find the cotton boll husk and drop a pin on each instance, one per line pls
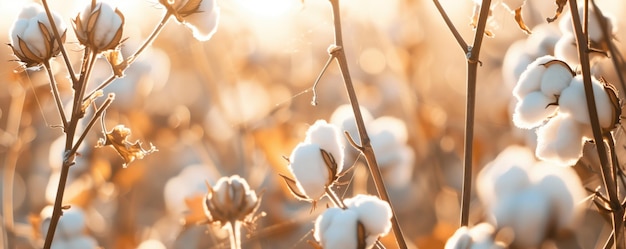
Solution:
(327, 136)
(556, 78)
(565, 49)
(573, 102)
(340, 231)
(309, 169)
(560, 141)
(374, 213)
(106, 26)
(204, 23)
(81, 242)
(515, 62)
(530, 80)
(533, 110)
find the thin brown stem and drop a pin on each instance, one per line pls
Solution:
(366, 148)
(334, 198)
(605, 167)
(129, 60)
(55, 94)
(472, 73)
(57, 37)
(91, 123)
(451, 26)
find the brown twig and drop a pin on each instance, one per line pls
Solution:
(337, 51)
(57, 36)
(606, 169)
(472, 55)
(55, 94)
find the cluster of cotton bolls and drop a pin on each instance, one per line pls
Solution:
(535, 199)
(565, 48)
(339, 228)
(70, 230)
(388, 137)
(552, 98)
(480, 236)
(308, 162)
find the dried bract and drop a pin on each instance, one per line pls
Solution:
(129, 151)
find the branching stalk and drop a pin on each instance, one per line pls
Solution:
(366, 148)
(606, 169)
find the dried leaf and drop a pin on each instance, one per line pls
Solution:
(195, 210)
(612, 92)
(129, 151)
(361, 235)
(117, 62)
(91, 99)
(293, 187)
(331, 166)
(559, 9)
(520, 21)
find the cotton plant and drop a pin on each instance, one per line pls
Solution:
(481, 236)
(71, 229)
(316, 163)
(566, 49)
(535, 199)
(359, 225)
(388, 136)
(551, 98)
(38, 35)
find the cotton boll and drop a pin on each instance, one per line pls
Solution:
(530, 80)
(337, 230)
(203, 23)
(81, 242)
(560, 140)
(505, 175)
(72, 222)
(190, 181)
(565, 49)
(478, 237)
(555, 78)
(515, 62)
(309, 169)
(374, 213)
(343, 117)
(402, 172)
(565, 190)
(541, 41)
(528, 214)
(327, 136)
(533, 110)
(574, 102)
(59, 243)
(565, 24)
(461, 239)
(513, 4)
(386, 123)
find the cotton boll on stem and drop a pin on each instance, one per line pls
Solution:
(533, 109)
(528, 214)
(530, 80)
(337, 229)
(374, 213)
(327, 136)
(309, 169)
(555, 78)
(343, 117)
(560, 141)
(574, 102)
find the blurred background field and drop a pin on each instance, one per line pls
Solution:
(240, 102)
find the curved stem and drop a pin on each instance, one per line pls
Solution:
(55, 94)
(606, 169)
(57, 37)
(235, 234)
(366, 147)
(129, 60)
(334, 198)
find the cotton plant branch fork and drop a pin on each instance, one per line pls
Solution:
(336, 51)
(607, 170)
(472, 54)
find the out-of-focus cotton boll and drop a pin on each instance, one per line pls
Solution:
(203, 24)
(343, 117)
(480, 236)
(573, 102)
(505, 175)
(374, 213)
(541, 41)
(560, 141)
(594, 27)
(81, 242)
(533, 109)
(515, 62)
(565, 49)
(190, 181)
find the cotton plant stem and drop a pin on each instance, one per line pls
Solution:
(53, 25)
(10, 162)
(605, 167)
(451, 26)
(129, 60)
(366, 148)
(334, 198)
(235, 234)
(55, 94)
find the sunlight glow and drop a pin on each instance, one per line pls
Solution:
(268, 8)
